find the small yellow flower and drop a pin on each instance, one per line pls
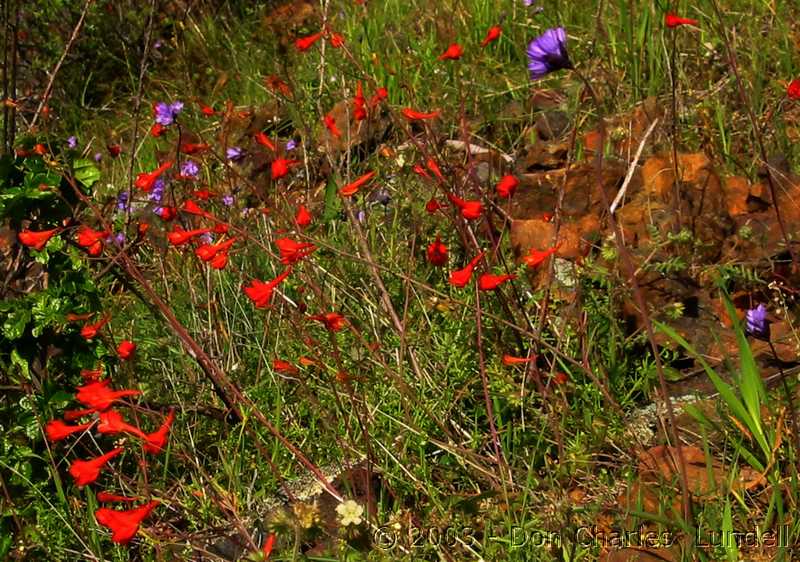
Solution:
(349, 513)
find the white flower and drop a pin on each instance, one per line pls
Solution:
(349, 513)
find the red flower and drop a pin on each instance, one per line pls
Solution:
(304, 43)
(292, 252)
(88, 236)
(98, 396)
(72, 415)
(57, 430)
(330, 124)
(156, 441)
(352, 188)
(489, 281)
(36, 240)
(280, 167)
(157, 129)
(437, 253)
(432, 205)
(284, 367)
(413, 115)
(104, 496)
(145, 180)
(206, 110)
(337, 40)
(461, 277)
(207, 252)
(470, 210)
(793, 90)
(125, 349)
(536, 257)
(333, 320)
(380, 95)
(168, 213)
(507, 186)
(193, 208)
(492, 35)
(303, 218)
(359, 110)
(420, 171)
(89, 331)
(266, 550)
(86, 472)
(263, 140)
(114, 150)
(219, 261)
(178, 236)
(111, 422)
(453, 52)
(672, 20)
(434, 167)
(124, 524)
(261, 293)
(91, 374)
(194, 147)
(509, 360)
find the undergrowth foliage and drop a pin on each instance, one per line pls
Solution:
(309, 272)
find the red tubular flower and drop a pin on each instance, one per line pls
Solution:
(87, 236)
(461, 277)
(672, 20)
(90, 375)
(89, 331)
(193, 208)
(111, 422)
(793, 90)
(261, 293)
(124, 524)
(437, 253)
(453, 52)
(434, 168)
(104, 496)
(420, 171)
(145, 180)
(432, 205)
(470, 210)
(333, 321)
(157, 440)
(536, 257)
(36, 240)
(380, 95)
(280, 167)
(168, 213)
(337, 40)
(72, 415)
(98, 396)
(206, 110)
(219, 261)
(125, 349)
(57, 430)
(492, 35)
(194, 147)
(263, 140)
(330, 124)
(114, 150)
(489, 281)
(207, 252)
(292, 252)
(303, 217)
(352, 188)
(284, 367)
(359, 103)
(413, 115)
(266, 550)
(157, 130)
(304, 43)
(509, 360)
(507, 186)
(86, 472)
(178, 236)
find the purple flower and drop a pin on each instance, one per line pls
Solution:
(190, 169)
(98, 156)
(234, 153)
(119, 238)
(158, 191)
(166, 113)
(291, 145)
(72, 141)
(122, 201)
(548, 53)
(757, 324)
(206, 238)
(157, 44)
(227, 200)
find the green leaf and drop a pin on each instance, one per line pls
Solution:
(15, 323)
(85, 172)
(332, 203)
